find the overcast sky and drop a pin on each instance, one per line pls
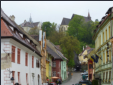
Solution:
(54, 11)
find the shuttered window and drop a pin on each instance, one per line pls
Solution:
(103, 37)
(13, 75)
(27, 79)
(37, 63)
(32, 61)
(19, 77)
(106, 34)
(18, 56)
(26, 59)
(13, 54)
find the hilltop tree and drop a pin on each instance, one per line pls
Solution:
(69, 45)
(49, 28)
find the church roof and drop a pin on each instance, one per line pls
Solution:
(65, 21)
(86, 18)
(29, 24)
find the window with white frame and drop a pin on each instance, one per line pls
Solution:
(54, 64)
(54, 73)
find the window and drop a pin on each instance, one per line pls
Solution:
(103, 58)
(13, 54)
(103, 37)
(90, 66)
(27, 78)
(54, 64)
(106, 75)
(54, 73)
(100, 40)
(37, 63)
(26, 59)
(109, 32)
(106, 57)
(109, 75)
(110, 55)
(106, 34)
(18, 56)
(32, 61)
(13, 75)
(103, 76)
(19, 77)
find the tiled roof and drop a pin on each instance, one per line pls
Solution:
(109, 10)
(29, 24)
(59, 51)
(17, 36)
(36, 37)
(51, 50)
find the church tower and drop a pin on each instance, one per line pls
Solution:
(89, 16)
(30, 19)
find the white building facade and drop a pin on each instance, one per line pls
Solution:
(20, 55)
(22, 74)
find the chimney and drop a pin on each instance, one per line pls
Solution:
(40, 35)
(83, 47)
(43, 39)
(12, 18)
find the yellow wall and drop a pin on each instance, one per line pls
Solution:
(47, 69)
(81, 58)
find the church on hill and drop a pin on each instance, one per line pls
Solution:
(27, 25)
(65, 21)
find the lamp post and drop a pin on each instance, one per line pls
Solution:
(12, 79)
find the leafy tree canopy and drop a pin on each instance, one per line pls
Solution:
(69, 44)
(49, 28)
(33, 31)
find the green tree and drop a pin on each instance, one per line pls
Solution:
(33, 31)
(49, 28)
(56, 37)
(69, 44)
(76, 26)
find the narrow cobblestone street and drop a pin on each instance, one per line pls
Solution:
(75, 79)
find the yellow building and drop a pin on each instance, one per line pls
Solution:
(47, 67)
(103, 48)
(112, 59)
(83, 60)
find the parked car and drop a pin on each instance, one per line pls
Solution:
(86, 82)
(85, 73)
(52, 83)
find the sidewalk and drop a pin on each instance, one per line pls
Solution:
(69, 77)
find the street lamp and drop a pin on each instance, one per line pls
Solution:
(12, 80)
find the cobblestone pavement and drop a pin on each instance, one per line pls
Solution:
(75, 79)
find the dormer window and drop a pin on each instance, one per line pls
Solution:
(11, 28)
(21, 35)
(28, 40)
